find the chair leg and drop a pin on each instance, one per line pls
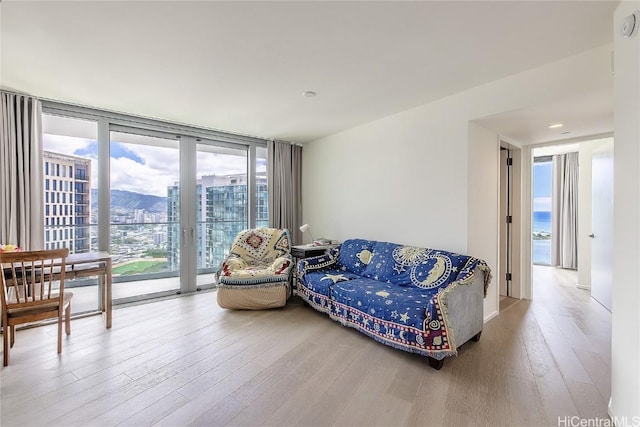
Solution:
(59, 332)
(67, 320)
(12, 334)
(5, 344)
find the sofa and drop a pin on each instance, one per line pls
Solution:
(420, 300)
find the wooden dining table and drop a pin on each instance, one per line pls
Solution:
(94, 264)
(90, 264)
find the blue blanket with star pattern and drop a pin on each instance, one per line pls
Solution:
(391, 292)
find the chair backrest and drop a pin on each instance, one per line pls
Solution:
(32, 278)
(261, 245)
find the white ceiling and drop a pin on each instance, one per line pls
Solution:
(242, 66)
(585, 115)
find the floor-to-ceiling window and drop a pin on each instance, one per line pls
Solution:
(542, 180)
(144, 212)
(70, 161)
(262, 188)
(165, 200)
(222, 203)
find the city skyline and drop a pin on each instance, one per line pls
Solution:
(136, 234)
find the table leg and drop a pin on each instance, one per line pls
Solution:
(101, 291)
(108, 302)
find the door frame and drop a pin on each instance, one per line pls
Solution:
(526, 261)
(515, 233)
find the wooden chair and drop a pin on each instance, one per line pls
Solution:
(29, 292)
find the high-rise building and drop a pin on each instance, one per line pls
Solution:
(138, 215)
(173, 227)
(67, 197)
(222, 212)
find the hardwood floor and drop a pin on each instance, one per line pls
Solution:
(185, 361)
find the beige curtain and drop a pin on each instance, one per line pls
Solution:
(564, 222)
(21, 174)
(284, 175)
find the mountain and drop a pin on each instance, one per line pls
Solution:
(128, 200)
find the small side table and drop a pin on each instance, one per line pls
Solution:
(299, 252)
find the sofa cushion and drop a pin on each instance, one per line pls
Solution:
(401, 305)
(321, 282)
(419, 267)
(355, 255)
(235, 271)
(383, 267)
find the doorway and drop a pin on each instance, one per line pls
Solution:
(540, 202)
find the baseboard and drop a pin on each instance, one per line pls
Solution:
(584, 288)
(610, 412)
(490, 316)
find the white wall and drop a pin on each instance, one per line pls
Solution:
(387, 180)
(405, 178)
(584, 210)
(625, 339)
(484, 190)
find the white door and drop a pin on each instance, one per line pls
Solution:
(602, 224)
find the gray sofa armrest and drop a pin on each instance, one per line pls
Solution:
(465, 308)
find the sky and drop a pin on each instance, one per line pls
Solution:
(542, 187)
(145, 169)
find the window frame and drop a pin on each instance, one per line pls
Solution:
(108, 121)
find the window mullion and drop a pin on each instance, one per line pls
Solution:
(104, 186)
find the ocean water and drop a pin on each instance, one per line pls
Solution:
(542, 221)
(542, 247)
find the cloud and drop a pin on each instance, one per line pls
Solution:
(67, 144)
(261, 165)
(220, 164)
(160, 168)
(542, 204)
(129, 175)
(81, 147)
(118, 150)
(147, 169)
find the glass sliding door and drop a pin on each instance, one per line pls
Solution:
(166, 200)
(70, 160)
(261, 199)
(222, 208)
(144, 213)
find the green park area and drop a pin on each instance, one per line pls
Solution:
(140, 267)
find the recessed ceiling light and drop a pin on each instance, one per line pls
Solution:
(556, 126)
(309, 94)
